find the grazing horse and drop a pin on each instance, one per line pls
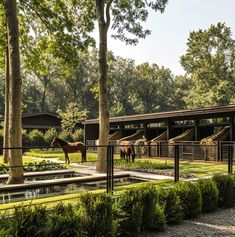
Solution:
(70, 147)
(127, 151)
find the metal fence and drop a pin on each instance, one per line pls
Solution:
(219, 153)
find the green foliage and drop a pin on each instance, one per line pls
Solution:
(42, 166)
(226, 188)
(210, 50)
(3, 168)
(96, 213)
(149, 198)
(25, 138)
(209, 193)
(28, 222)
(36, 138)
(170, 202)
(142, 165)
(49, 134)
(159, 220)
(153, 217)
(128, 213)
(64, 221)
(71, 116)
(65, 135)
(78, 135)
(138, 209)
(190, 198)
(5, 223)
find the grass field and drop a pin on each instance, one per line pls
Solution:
(195, 168)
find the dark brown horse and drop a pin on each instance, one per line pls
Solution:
(70, 147)
(127, 151)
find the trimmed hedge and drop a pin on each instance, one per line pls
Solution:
(28, 222)
(64, 220)
(170, 202)
(209, 193)
(190, 198)
(138, 210)
(96, 215)
(226, 188)
(134, 211)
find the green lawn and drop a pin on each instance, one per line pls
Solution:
(25, 160)
(197, 168)
(200, 169)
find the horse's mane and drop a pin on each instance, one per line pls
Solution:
(62, 142)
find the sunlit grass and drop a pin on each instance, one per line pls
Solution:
(25, 160)
(195, 168)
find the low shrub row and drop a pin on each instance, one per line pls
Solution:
(43, 165)
(132, 213)
(35, 166)
(146, 166)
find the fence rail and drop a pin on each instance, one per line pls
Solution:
(181, 151)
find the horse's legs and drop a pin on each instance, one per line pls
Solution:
(83, 155)
(66, 158)
(122, 155)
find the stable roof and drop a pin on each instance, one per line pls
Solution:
(214, 111)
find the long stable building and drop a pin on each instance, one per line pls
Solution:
(204, 121)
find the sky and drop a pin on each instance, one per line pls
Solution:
(170, 31)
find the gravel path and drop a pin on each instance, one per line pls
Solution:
(219, 223)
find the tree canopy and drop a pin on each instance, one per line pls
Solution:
(209, 63)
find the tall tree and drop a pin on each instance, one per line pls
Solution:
(209, 63)
(127, 16)
(15, 127)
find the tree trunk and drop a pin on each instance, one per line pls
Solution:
(15, 121)
(103, 104)
(6, 112)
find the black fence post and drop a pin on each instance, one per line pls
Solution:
(109, 177)
(176, 161)
(108, 171)
(230, 159)
(149, 149)
(112, 169)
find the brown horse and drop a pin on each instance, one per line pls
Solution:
(127, 151)
(70, 147)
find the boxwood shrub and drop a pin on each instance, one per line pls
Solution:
(128, 213)
(209, 193)
(96, 215)
(226, 188)
(149, 201)
(28, 222)
(153, 217)
(137, 210)
(63, 221)
(190, 198)
(170, 202)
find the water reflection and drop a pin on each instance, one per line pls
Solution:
(56, 190)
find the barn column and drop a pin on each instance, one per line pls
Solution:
(146, 130)
(122, 129)
(197, 132)
(231, 122)
(169, 129)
